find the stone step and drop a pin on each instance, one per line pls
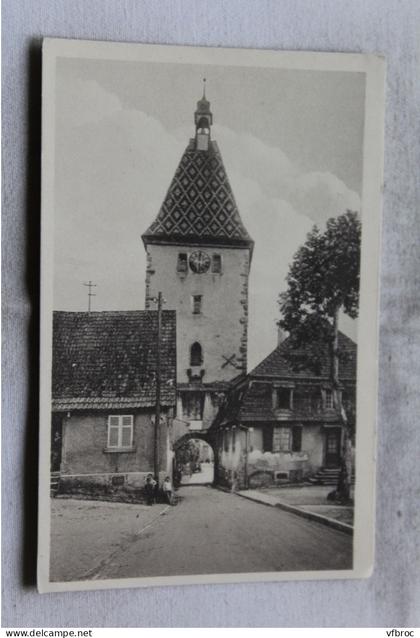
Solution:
(54, 483)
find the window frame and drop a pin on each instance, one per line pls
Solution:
(283, 432)
(268, 437)
(193, 362)
(216, 257)
(182, 263)
(193, 405)
(120, 426)
(329, 402)
(197, 304)
(282, 393)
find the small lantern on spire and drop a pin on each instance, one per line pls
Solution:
(203, 119)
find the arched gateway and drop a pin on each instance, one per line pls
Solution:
(194, 459)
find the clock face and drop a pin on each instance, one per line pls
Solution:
(199, 261)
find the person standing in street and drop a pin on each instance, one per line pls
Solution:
(150, 489)
(167, 489)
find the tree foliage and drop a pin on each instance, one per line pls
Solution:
(323, 279)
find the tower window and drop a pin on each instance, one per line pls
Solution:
(196, 355)
(196, 304)
(192, 404)
(182, 265)
(216, 264)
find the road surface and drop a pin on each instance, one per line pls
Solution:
(205, 476)
(211, 531)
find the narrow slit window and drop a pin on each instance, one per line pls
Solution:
(216, 264)
(197, 304)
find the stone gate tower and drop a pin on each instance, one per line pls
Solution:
(198, 256)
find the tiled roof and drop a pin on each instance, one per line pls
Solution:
(199, 205)
(252, 400)
(276, 365)
(107, 360)
(255, 407)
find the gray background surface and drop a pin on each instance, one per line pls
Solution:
(390, 27)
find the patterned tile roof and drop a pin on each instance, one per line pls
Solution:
(276, 365)
(199, 204)
(106, 360)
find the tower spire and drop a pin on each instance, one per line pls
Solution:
(203, 119)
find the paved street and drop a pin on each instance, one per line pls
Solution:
(209, 531)
(206, 475)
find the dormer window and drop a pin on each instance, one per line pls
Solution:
(328, 399)
(283, 398)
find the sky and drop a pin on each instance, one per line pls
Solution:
(292, 145)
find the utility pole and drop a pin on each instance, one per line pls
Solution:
(91, 294)
(160, 301)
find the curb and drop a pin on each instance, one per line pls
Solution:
(329, 522)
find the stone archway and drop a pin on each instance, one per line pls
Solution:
(194, 464)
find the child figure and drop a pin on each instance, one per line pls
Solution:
(150, 489)
(167, 489)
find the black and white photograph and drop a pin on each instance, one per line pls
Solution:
(210, 234)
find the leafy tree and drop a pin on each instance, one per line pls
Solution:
(323, 281)
(189, 453)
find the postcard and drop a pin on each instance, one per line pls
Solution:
(209, 312)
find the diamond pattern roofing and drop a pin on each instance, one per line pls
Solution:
(106, 360)
(199, 205)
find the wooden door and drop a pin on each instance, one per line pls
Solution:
(332, 447)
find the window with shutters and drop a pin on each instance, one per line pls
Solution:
(283, 435)
(120, 431)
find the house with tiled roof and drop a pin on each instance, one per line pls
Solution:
(104, 368)
(279, 423)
